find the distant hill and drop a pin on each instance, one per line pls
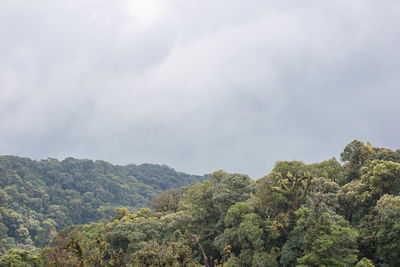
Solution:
(38, 198)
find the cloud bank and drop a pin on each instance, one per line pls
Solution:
(198, 85)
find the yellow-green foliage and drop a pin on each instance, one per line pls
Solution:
(321, 214)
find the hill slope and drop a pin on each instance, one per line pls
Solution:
(38, 198)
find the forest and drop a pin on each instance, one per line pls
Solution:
(86, 213)
(39, 198)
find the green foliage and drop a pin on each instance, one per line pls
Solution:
(324, 191)
(387, 230)
(290, 180)
(349, 201)
(77, 246)
(357, 154)
(21, 258)
(263, 259)
(132, 231)
(168, 201)
(321, 214)
(231, 188)
(232, 221)
(232, 262)
(204, 215)
(380, 177)
(330, 169)
(236, 214)
(364, 262)
(328, 240)
(170, 254)
(39, 198)
(198, 202)
(251, 232)
(358, 197)
(250, 236)
(280, 193)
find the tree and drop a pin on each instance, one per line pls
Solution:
(74, 191)
(358, 197)
(324, 192)
(168, 201)
(231, 188)
(355, 155)
(169, 254)
(21, 258)
(292, 180)
(364, 262)
(330, 169)
(130, 232)
(250, 236)
(320, 239)
(233, 219)
(282, 192)
(380, 177)
(198, 203)
(387, 230)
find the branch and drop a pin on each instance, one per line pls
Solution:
(202, 251)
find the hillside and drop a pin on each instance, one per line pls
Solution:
(38, 198)
(321, 214)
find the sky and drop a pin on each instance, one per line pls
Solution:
(198, 85)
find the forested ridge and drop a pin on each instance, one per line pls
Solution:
(321, 214)
(39, 198)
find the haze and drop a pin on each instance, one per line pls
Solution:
(198, 85)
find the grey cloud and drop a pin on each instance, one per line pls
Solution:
(196, 85)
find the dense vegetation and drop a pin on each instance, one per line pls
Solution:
(39, 198)
(321, 214)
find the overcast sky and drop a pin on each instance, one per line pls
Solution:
(198, 85)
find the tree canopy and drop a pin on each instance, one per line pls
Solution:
(320, 214)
